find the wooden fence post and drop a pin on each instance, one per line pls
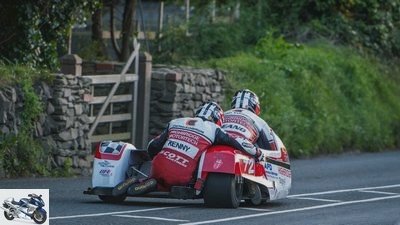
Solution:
(143, 106)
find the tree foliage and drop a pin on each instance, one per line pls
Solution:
(36, 32)
(368, 25)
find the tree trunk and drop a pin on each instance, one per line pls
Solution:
(97, 31)
(112, 30)
(127, 29)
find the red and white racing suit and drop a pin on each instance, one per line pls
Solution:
(244, 123)
(176, 151)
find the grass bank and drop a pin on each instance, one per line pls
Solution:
(319, 98)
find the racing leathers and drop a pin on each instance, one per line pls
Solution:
(176, 151)
(246, 124)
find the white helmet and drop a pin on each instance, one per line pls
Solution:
(246, 99)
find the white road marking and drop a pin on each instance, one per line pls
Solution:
(293, 210)
(317, 199)
(344, 190)
(152, 218)
(110, 213)
(269, 212)
(256, 209)
(380, 192)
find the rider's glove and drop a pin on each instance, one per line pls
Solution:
(259, 155)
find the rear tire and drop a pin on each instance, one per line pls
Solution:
(8, 216)
(112, 199)
(223, 190)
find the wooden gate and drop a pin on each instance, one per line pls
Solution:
(113, 106)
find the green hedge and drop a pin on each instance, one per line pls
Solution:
(319, 99)
(20, 153)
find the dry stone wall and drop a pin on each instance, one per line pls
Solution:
(63, 127)
(70, 124)
(178, 91)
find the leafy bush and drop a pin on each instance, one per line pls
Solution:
(319, 99)
(20, 153)
(368, 25)
(208, 41)
(203, 39)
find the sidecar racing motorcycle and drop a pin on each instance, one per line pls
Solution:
(25, 208)
(224, 176)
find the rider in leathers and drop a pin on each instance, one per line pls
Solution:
(176, 151)
(243, 121)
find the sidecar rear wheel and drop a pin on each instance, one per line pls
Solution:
(8, 216)
(112, 199)
(223, 190)
(39, 218)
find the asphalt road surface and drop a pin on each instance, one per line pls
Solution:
(362, 189)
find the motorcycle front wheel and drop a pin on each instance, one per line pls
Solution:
(39, 217)
(223, 190)
(8, 216)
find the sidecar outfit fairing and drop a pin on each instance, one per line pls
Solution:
(224, 177)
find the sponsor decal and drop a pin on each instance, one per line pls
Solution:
(191, 122)
(268, 166)
(145, 185)
(186, 128)
(242, 124)
(234, 127)
(126, 183)
(105, 172)
(184, 136)
(238, 120)
(247, 145)
(285, 172)
(106, 164)
(178, 145)
(142, 187)
(175, 158)
(218, 163)
(182, 147)
(269, 170)
(271, 173)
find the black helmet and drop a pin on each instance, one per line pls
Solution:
(211, 111)
(246, 99)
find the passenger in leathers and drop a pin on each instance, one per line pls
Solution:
(176, 151)
(243, 121)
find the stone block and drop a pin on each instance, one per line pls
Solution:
(71, 64)
(68, 135)
(173, 77)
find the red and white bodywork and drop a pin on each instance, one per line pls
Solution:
(110, 164)
(274, 173)
(223, 178)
